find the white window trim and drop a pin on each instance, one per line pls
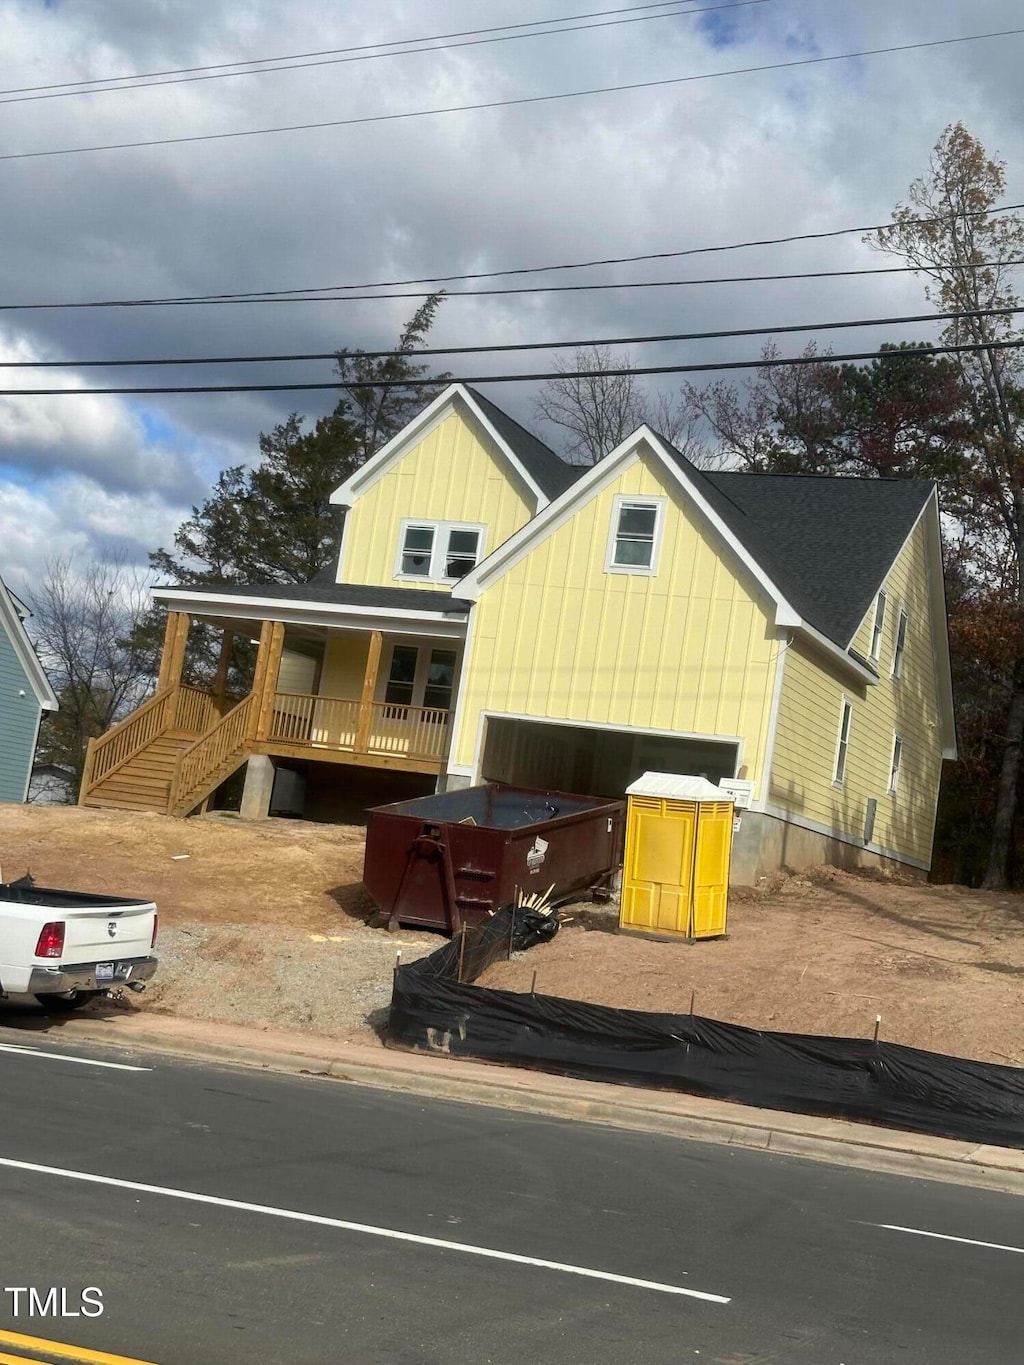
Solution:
(898, 658)
(618, 502)
(894, 768)
(424, 647)
(878, 626)
(839, 779)
(439, 551)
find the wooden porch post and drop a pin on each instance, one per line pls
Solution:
(362, 740)
(220, 680)
(271, 654)
(172, 659)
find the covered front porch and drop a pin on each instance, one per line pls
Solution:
(331, 682)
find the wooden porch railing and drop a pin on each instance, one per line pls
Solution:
(417, 731)
(359, 727)
(204, 761)
(195, 711)
(123, 740)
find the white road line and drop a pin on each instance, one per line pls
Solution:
(366, 1228)
(945, 1237)
(63, 1057)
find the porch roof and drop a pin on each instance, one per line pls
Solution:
(360, 606)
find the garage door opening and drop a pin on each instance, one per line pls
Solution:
(575, 758)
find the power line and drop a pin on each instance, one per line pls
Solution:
(521, 100)
(335, 51)
(269, 295)
(361, 55)
(499, 293)
(511, 347)
(774, 362)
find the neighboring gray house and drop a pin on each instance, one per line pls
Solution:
(25, 694)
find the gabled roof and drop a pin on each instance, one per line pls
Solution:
(818, 548)
(544, 475)
(342, 595)
(11, 612)
(827, 542)
(547, 469)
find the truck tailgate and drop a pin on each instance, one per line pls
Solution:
(93, 935)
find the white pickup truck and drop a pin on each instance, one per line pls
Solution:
(67, 947)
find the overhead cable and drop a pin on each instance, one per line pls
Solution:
(362, 55)
(519, 101)
(511, 347)
(763, 363)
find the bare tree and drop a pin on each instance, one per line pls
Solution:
(83, 619)
(598, 401)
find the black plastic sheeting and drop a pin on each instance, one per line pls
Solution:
(884, 1083)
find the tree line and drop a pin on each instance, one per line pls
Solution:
(956, 419)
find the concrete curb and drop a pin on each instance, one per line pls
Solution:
(672, 1114)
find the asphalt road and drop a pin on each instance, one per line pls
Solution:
(265, 1233)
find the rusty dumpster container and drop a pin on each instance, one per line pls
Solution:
(452, 859)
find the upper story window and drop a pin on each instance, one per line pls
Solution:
(895, 765)
(878, 627)
(438, 551)
(901, 645)
(635, 535)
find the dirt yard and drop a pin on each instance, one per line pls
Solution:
(265, 924)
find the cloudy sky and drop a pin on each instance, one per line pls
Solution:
(705, 162)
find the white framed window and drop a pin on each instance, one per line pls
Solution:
(420, 676)
(438, 551)
(901, 644)
(878, 627)
(843, 746)
(894, 766)
(634, 537)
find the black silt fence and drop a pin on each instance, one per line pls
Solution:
(435, 1007)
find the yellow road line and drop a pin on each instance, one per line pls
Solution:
(61, 1351)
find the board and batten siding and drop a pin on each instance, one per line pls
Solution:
(455, 473)
(690, 649)
(19, 723)
(803, 770)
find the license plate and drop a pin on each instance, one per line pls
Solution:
(104, 971)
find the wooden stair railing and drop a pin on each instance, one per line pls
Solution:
(123, 741)
(214, 756)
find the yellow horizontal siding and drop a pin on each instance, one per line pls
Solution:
(809, 715)
(689, 649)
(455, 473)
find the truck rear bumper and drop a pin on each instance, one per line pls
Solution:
(83, 976)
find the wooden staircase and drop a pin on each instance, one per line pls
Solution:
(169, 755)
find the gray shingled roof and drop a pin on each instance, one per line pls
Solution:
(346, 595)
(551, 474)
(827, 543)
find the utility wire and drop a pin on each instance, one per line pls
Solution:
(773, 362)
(336, 51)
(513, 346)
(498, 293)
(364, 56)
(261, 295)
(521, 100)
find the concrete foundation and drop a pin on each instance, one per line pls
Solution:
(452, 782)
(764, 844)
(259, 786)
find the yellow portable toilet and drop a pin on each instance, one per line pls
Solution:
(675, 876)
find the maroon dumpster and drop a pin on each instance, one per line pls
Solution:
(452, 859)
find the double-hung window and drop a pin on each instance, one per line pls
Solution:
(901, 645)
(894, 766)
(420, 678)
(635, 535)
(843, 747)
(878, 627)
(438, 551)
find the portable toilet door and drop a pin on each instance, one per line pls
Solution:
(676, 867)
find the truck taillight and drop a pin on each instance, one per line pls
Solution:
(50, 942)
(156, 921)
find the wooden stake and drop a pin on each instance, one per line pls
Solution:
(462, 950)
(693, 997)
(533, 987)
(878, 1022)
